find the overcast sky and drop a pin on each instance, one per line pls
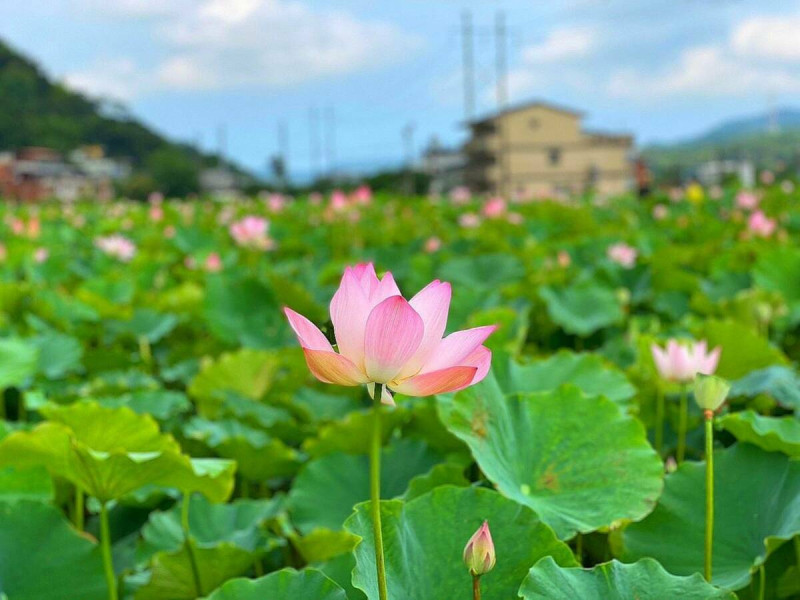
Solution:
(660, 69)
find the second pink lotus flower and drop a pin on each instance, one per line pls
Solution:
(682, 363)
(384, 339)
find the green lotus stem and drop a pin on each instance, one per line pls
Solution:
(659, 427)
(187, 537)
(144, 350)
(579, 548)
(709, 541)
(78, 510)
(797, 551)
(375, 490)
(108, 562)
(683, 418)
(762, 581)
(476, 587)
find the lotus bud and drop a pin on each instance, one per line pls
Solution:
(479, 553)
(710, 392)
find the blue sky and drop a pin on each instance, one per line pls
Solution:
(660, 69)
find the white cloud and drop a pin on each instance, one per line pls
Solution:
(755, 59)
(118, 78)
(768, 37)
(219, 44)
(561, 45)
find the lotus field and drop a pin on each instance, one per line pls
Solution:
(354, 397)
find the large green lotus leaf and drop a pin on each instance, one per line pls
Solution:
(149, 324)
(582, 309)
(777, 271)
(327, 488)
(751, 520)
(577, 460)
(258, 456)
(424, 540)
(19, 361)
(351, 434)
(239, 523)
(443, 474)
(775, 434)
(782, 383)
(172, 576)
(112, 452)
(43, 558)
(287, 584)
(484, 271)
(247, 372)
(59, 354)
(322, 406)
(161, 404)
(324, 544)
(244, 311)
(589, 372)
(25, 484)
(743, 350)
(644, 580)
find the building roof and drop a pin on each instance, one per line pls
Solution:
(524, 106)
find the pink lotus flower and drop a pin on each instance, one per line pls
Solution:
(213, 263)
(363, 194)
(432, 244)
(479, 553)
(747, 200)
(760, 224)
(382, 338)
(494, 207)
(469, 220)
(682, 363)
(563, 259)
(251, 232)
(41, 255)
(155, 198)
(339, 200)
(622, 254)
(660, 212)
(117, 246)
(460, 195)
(156, 213)
(276, 202)
(767, 177)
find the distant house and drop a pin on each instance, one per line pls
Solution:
(539, 148)
(445, 166)
(36, 173)
(220, 182)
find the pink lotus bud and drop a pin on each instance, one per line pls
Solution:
(479, 554)
(623, 255)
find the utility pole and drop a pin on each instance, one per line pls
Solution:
(330, 141)
(408, 142)
(283, 148)
(314, 142)
(502, 100)
(468, 64)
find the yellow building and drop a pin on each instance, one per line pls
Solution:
(539, 148)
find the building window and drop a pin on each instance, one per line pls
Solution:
(554, 154)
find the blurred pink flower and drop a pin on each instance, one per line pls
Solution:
(660, 212)
(460, 195)
(747, 200)
(315, 198)
(156, 213)
(382, 338)
(760, 224)
(190, 263)
(41, 254)
(169, 232)
(787, 186)
(116, 246)
(276, 202)
(563, 259)
(432, 244)
(515, 218)
(676, 194)
(339, 200)
(494, 207)
(155, 198)
(213, 263)
(622, 254)
(767, 177)
(363, 194)
(469, 220)
(251, 232)
(682, 363)
(17, 226)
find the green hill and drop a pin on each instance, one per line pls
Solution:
(35, 111)
(748, 138)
